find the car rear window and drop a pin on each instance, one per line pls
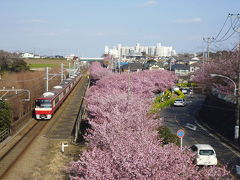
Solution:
(206, 152)
(179, 99)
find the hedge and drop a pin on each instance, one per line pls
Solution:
(168, 100)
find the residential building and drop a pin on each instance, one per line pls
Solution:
(138, 50)
(27, 55)
(181, 69)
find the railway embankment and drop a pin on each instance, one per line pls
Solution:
(59, 129)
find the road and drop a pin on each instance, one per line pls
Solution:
(177, 118)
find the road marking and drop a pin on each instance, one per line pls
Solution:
(204, 129)
(191, 126)
(184, 129)
(215, 137)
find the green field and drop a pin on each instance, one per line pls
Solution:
(43, 65)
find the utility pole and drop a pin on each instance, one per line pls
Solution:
(238, 90)
(129, 88)
(61, 72)
(119, 61)
(46, 79)
(208, 40)
(238, 83)
(237, 103)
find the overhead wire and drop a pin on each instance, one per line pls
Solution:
(222, 27)
(233, 23)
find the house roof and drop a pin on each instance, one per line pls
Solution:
(159, 64)
(132, 66)
(180, 67)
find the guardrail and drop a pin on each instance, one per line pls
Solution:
(4, 134)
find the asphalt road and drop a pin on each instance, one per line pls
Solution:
(177, 118)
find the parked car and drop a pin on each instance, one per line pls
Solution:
(205, 154)
(179, 102)
(185, 90)
(175, 88)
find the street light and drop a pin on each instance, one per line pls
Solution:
(236, 94)
(235, 86)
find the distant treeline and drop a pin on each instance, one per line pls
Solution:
(11, 62)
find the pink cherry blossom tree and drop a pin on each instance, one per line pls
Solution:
(227, 66)
(97, 71)
(123, 141)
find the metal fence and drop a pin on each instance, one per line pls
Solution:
(226, 97)
(4, 134)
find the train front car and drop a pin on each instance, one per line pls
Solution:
(44, 107)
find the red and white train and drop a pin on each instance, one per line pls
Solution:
(49, 102)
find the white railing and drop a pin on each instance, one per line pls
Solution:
(4, 134)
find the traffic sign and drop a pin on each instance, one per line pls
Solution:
(180, 133)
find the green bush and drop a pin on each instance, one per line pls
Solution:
(165, 100)
(5, 115)
(186, 84)
(167, 136)
(180, 94)
(167, 94)
(13, 64)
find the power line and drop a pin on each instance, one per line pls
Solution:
(222, 27)
(233, 25)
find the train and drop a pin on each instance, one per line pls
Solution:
(49, 102)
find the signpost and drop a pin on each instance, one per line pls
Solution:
(180, 134)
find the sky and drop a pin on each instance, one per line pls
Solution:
(85, 27)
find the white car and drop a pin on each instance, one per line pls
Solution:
(175, 88)
(205, 154)
(179, 102)
(185, 90)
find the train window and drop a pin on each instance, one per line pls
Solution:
(56, 100)
(43, 103)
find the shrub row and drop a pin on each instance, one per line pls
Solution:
(166, 100)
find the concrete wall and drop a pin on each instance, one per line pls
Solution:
(219, 115)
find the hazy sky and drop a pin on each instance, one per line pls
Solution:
(84, 27)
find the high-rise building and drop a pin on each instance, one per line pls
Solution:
(125, 51)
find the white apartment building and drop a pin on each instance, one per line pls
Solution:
(137, 50)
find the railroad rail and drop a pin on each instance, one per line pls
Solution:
(67, 114)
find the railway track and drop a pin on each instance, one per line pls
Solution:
(16, 150)
(52, 128)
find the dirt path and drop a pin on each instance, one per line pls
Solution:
(44, 161)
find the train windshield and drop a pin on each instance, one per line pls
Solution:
(43, 103)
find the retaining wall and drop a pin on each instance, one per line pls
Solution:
(219, 115)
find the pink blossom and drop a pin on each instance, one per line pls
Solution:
(123, 141)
